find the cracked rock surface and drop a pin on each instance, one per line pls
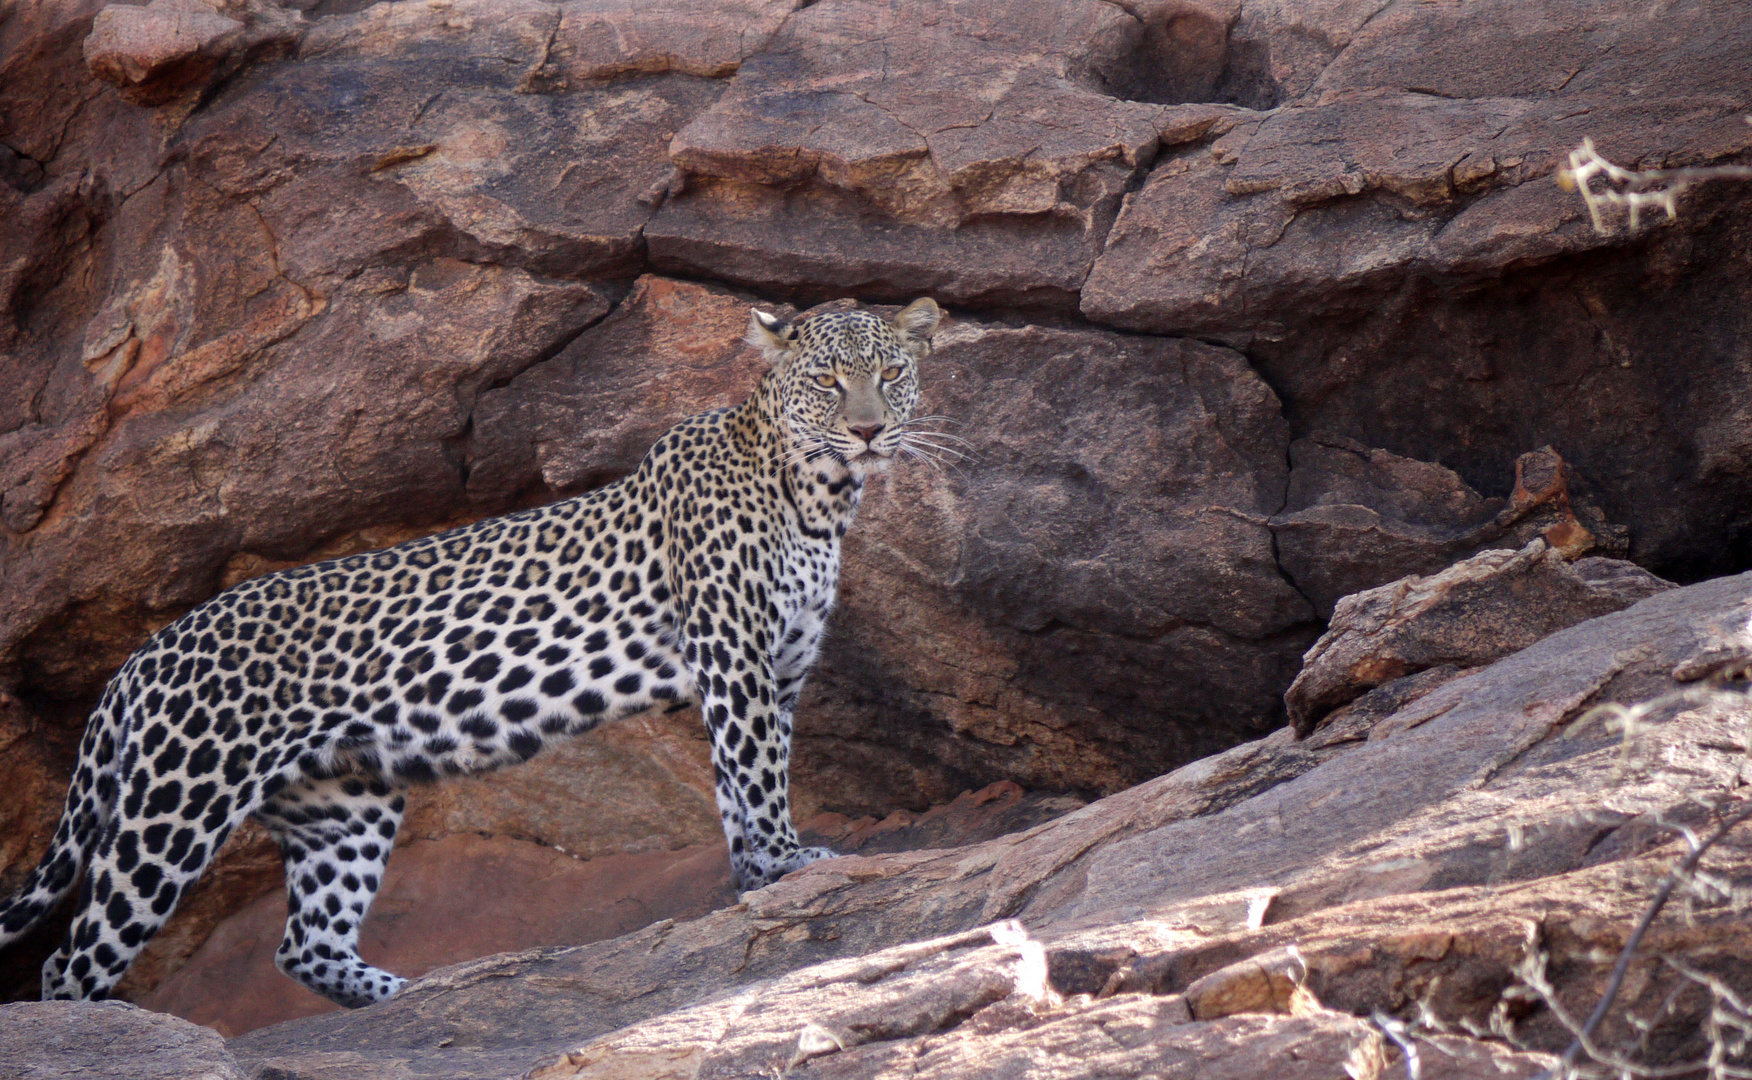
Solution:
(1253, 306)
(1388, 237)
(1474, 612)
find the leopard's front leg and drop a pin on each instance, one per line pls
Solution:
(751, 752)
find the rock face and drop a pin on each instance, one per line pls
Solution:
(823, 1019)
(1271, 897)
(1097, 601)
(1388, 234)
(60, 1040)
(1468, 615)
(844, 117)
(1254, 307)
(169, 48)
(1355, 517)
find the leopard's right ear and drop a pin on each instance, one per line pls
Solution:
(776, 339)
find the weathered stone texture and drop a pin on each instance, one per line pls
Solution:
(64, 1040)
(840, 160)
(1355, 518)
(1467, 616)
(1390, 234)
(1110, 571)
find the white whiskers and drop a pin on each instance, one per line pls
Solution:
(935, 447)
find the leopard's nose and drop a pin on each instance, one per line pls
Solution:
(868, 433)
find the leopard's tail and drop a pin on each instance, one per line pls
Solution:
(91, 798)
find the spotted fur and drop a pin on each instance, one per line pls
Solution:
(313, 697)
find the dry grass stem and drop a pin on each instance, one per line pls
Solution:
(1631, 189)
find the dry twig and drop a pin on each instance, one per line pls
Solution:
(1730, 1027)
(1634, 190)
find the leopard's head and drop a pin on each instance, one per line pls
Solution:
(848, 382)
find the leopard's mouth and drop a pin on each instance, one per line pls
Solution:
(869, 461)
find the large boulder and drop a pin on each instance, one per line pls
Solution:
(65, 1040)
(1472, 613)
(1387, 243)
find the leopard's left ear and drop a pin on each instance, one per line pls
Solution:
(776, 339)
(917, 322)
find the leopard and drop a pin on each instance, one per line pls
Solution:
(313, 699)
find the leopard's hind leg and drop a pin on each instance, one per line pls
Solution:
(335, 836)
(177, 804)
(90, 800)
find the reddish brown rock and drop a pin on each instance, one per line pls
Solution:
(190, 473)
(130, 45)
(670, 349)
(33, 772)
(644, 784)
(63, 1040)
(1419, 109)
(1355, 518)
(1353, 515)
(639, 787)
(445, 901)
(172, 48)
(553, 157)
(1469, 615)
(588, 867)
(256, 307)
(838, 161)
(43, 85)
(1389, 233)
(990, 812)
(35, 764)
(558, 46)
(984, 603)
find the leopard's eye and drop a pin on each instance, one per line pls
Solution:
(826, 380)
(889, 374)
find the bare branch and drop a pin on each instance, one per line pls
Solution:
(1402, 1036)
(1585, 1033)
(1634, 190)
